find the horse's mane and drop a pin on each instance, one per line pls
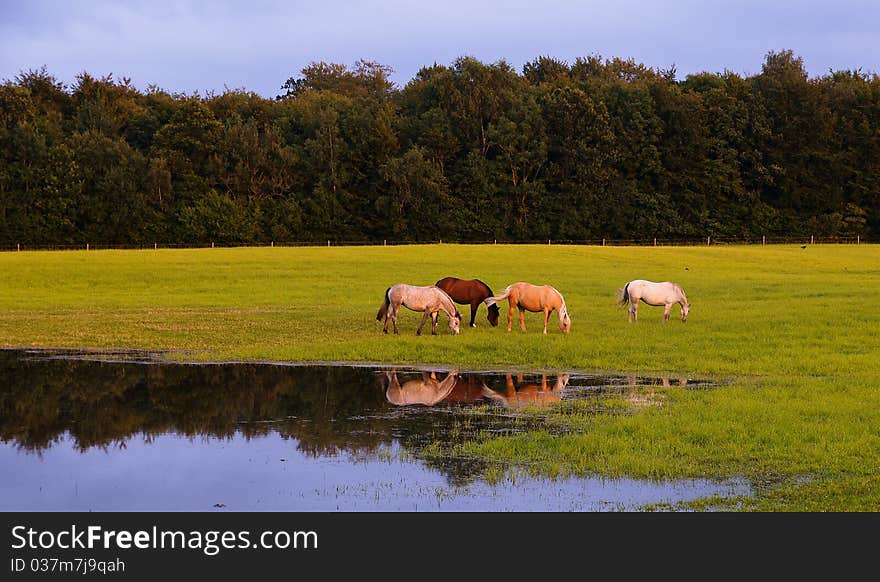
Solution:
(561, 297)
(489, 289)
(449, 299)
(680, 290)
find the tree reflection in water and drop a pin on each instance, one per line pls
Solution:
(324, 410)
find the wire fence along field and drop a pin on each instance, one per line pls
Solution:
(656, 242)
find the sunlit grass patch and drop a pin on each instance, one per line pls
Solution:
(789, 330)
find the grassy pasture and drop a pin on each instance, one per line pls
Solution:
(794, 332)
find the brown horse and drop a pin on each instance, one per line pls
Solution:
(534, 298)
(470, 292)
(468, 389)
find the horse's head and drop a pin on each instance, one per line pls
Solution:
(565, 323)
(494, 312)
(455, 323)
(685, 309)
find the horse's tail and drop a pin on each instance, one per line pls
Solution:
(496, 298)
(492, 308)
(623, 295)
(384, 309)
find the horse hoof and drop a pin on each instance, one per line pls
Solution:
(473, 325)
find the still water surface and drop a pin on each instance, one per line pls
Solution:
(128, 433)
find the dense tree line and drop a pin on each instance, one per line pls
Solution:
(471, 151)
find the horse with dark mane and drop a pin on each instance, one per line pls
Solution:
(470, 292)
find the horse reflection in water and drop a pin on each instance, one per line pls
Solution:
(468, 390)
(641, 395)
(456, 388)
(427, 390)
(522, 395)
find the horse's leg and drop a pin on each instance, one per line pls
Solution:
(387, 314)
(666, 309)
(510, 313)
(634, 311)
(522, 319)
(546, 318)
(435, 317)
(474, 306)
(394, 317)
(422, 324)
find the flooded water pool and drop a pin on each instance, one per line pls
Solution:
(130, 432)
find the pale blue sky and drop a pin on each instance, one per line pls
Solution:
(198, 46)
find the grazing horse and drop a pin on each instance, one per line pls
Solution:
(534, 298)
(528, 394)
(428, 300)
(472, 293)
(656, 294)
(427, 391)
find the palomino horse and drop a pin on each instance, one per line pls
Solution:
(428, 300)
(666, 294)
(427, 391)
(471, 292)
(528, 394)
(534, 298)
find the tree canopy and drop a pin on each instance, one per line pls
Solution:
(471, 151)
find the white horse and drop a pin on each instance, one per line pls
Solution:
(428, 300)
(666, 294)
(428, 391)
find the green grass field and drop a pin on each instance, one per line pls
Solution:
(793, 331)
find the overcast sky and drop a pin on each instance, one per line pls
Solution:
(200, 46)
